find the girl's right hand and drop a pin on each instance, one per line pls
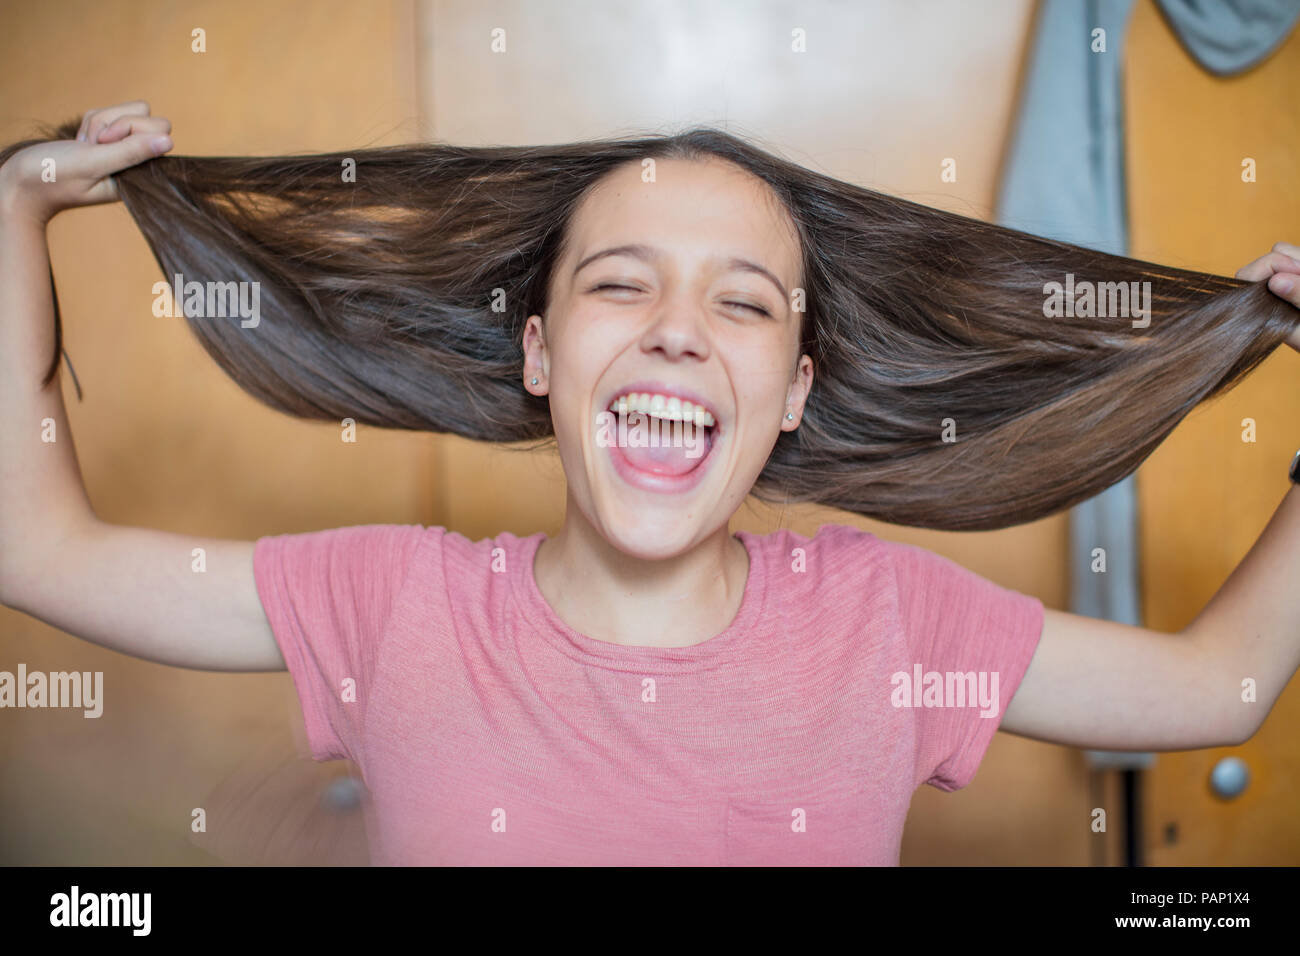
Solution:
(44, 179)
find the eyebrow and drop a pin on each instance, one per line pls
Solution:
(645, 253)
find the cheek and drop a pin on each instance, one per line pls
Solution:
(578, 358)
(761, 378)
(568, 404)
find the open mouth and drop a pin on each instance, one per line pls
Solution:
(663, 439)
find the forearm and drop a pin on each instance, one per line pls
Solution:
(43, 494)
(1251, 629)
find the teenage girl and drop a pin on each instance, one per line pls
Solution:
(645, 687)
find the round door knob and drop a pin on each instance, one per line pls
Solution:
(342, 794)
(1229, 777)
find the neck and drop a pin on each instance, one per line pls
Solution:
(606, 594)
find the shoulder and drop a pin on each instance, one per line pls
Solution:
(831, 545)
(473, 571)
(835, 559)
(462, 554)
(386, 553)
(348, 549)
(403, 540)
(843, 563)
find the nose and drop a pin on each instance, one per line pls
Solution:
(679, 329)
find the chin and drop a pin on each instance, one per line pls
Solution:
(654, 537)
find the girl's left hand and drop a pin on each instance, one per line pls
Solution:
(1282, 269)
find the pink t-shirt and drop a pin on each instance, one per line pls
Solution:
(487, 731)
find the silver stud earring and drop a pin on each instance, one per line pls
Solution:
(534, 381)
(789, 416)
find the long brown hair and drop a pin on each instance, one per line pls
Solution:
(943, 396)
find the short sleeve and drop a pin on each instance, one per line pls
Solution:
(328, 596)
(973, 641)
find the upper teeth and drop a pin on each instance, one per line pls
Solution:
(662, 406)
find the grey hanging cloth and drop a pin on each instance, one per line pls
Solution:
(1065, 180)
(1227, 37)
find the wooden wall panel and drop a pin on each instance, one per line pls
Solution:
(166, 441)
(1205, 495)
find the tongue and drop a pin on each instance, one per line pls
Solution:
(672, 457)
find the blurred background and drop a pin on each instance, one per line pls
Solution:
(884, 94)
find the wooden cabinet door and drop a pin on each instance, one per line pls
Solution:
(1205, 495)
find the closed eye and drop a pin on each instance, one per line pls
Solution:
(739, 305)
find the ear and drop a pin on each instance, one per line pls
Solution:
(797, 394)
(537, 362)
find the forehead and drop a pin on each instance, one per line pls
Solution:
(696, 208)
